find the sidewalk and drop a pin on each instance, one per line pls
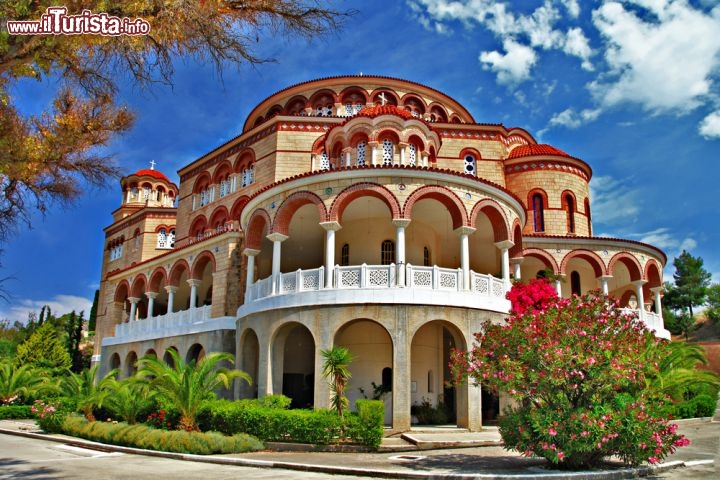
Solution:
(423, 461)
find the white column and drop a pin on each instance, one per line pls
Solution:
(516, 262)
(313, 162)
(194, 284)
(638, 284)
(151, 303)
(604, 279)
(403, 152)
(330, 229)
(558, 286)
(464, 232)
(400, 224)
(133, 308)
(250, 273)
(277, 239)
(504, 247)
(658, 294)
(373, 152)
(171, 289)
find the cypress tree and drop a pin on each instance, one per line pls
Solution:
(93, 312)
(43, 350)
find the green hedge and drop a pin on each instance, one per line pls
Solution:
(321, 427)
(15, 411)
(702, 405)
(142, 436)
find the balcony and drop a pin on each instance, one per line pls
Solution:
(653, 321)
(391, 284)
(193, 320)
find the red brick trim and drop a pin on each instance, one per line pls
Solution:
(629, 261)
(517, 249)
(139, 286)
(653, 273)
(589, 256)
(291, 204)
(200, 262)
(238, 206)
(122, 291)
(258, 223)
(176, 271)
(445, 196)
(219, 216)
(158, 279)
(366, 189)
(496, 216)
(543, 256)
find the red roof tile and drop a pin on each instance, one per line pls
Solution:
(146, 172)
(378, 110)
(538, 149)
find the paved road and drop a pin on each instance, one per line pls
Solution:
(29, 458)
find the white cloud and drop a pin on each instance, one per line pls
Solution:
(571, 119)
(577, 44)
(710, 126)
(59, 304)
(512, 67)
(613, 201)
(572, 6)
(664, 239)
(664, 62)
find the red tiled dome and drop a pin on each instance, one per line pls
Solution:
(378, 110)
(539, 149)
(146, 172)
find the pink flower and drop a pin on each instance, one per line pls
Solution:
(653, 459)
(561, 456)
(552, 431)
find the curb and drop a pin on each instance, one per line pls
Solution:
(541, 474)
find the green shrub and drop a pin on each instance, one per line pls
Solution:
(426, 414)
(15, 411)
(276, 424)
(142, 436)
(702, 405)
(51, 415)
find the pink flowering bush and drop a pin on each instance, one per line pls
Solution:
(49, 416)
(576, 370)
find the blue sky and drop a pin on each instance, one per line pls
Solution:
(630, 87)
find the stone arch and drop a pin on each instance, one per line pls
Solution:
(237, 207)
(196, 352)
(139, 286)
(258, 223)
(202, 182)
(296, 105)
(438, 113)
(167, 358)
(391, 97)
(158, 279)
(291, 204)
(497, 218)
(114, 362)
(219, 217)
(358, 190)
(177, 270)
(318, 145)
(248, 360)
(201, 262)
(150, 352)
(517, 249)
(348, 92)
(653, 274)
(130, 367)
(293, 347)
(629, 261)
(245, 159)
(122, 291)
(591, 257)
(443, 195)
(198, 226)
(388, 133)
(222, 171)
(544, 257)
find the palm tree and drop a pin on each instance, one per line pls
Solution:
(679, 372)
(22, 381)
(129, 397)
(88, 392)
(336, 369)
(187, 385)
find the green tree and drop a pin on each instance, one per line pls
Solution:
(678, 371)
(713, 303)
(93, 312)
(44, 350)
(47, 158)
(22, 382)
(88, 391)
(129, 398)
(187, 385)
(336, 368)
(691, 283)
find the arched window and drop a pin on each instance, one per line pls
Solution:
(387, 147)
(570, 209)
(412, 155)
(470, 165)
(345, 255)
(171, 238)
(426, 256)
(538, 213)
(387, 252)
(162, 238)
(324, 161)
(587, 214)
(575, 283)
(361, 151)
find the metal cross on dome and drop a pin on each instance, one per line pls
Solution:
(152, 164)
(383, 100)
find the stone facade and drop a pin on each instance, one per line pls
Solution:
(369, 212)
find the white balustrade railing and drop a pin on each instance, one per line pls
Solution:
(169, 321)
(653, 321)
(379, 277)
